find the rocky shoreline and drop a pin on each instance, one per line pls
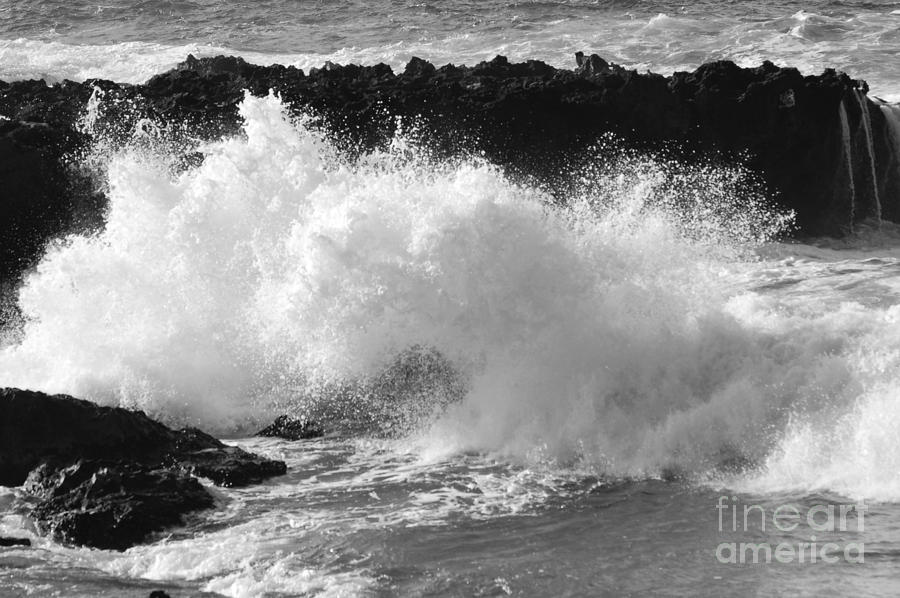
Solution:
(821, 144)
(110, 478)
(107, 477)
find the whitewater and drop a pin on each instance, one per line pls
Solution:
(522, 398)
(128, 41)
(653, 329)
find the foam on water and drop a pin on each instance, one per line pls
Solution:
(136, 62)
(630, 334)
(862, 41)
(337, 495)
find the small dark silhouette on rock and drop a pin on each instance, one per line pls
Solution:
(416, 67)
(592, 65)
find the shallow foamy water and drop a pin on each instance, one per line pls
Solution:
(367, 519)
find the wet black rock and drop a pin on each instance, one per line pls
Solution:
(37, 428)
(291, 428)
(159, 594)
(198, 453)
(108, 477)
(111, 505)
(820, 144)
(230, 466)
(8, 542)
(42, 195)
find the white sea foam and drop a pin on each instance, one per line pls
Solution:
(266, 537)
(245, 560)
(632, 332)
(131, 62)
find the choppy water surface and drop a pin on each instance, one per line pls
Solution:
(364, 519)
(130, 41)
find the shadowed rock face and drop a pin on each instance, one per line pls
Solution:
(37, 428)
(41, 197)
(227, 465)
(111, 505)
(818, 141)
(108, 477)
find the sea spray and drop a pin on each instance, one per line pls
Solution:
(617, 331)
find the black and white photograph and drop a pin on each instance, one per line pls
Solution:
(449, 298)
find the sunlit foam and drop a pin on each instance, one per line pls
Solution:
(619, 331)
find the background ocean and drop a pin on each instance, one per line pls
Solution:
(129, 41)
(628, 365)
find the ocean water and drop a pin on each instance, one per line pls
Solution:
(638, 394)
(129, 40)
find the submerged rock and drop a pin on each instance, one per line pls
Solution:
(291, 428)
(108, 477)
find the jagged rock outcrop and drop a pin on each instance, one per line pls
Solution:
(36, 428)
(819, 142)
(111, 505)
(108, 477)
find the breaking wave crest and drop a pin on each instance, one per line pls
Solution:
(442, 304)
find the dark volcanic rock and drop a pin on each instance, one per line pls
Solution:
(42, 196)
(7, 542)
(111, 505)
(200, 454)
(230, 466)
(108, 477)
(291, 428)
(818, 141)
(37, 428)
